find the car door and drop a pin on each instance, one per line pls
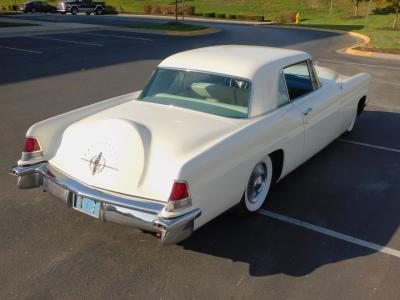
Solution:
(318, 106)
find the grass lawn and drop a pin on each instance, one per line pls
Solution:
(11, 24)
(314, 13)
(184, 27)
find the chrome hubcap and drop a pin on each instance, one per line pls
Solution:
(257, 183)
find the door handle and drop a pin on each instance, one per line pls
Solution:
(307, 111)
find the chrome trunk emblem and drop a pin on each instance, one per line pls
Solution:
(97, 163)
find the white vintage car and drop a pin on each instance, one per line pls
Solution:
(214, 128)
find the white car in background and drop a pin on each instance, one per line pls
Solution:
(213, 128)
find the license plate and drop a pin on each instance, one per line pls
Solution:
(87, 206)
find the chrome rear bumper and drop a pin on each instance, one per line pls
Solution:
(133, 211)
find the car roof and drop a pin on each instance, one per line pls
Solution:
(236, 60)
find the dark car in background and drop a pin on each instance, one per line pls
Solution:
(76, 6)
(37, 6)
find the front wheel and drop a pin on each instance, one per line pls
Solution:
(88, 13)
(257, 188)
(74, 10)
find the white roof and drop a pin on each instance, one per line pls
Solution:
(235, 60)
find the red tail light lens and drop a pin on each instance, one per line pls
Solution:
(31, 145)
(179, 191)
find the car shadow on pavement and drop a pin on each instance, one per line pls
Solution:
(348, 188)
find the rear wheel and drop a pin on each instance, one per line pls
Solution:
(74, 10)
(257, 188)
(99, 11)
(88, 13)
(33, 10)
(360, 108)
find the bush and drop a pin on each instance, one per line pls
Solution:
(190, 10)
(239, 17)
(147, 9)
(384, 10)
(110, 10)
(288, 17)
(167, 10)
(254, 18)
(221, 16)
(209, 15)
(156, 10)
(231, 17)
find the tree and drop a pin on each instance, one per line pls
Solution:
(356, 2)
(396, 6)
(176, 11)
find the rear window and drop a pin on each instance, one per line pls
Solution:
(210, 93)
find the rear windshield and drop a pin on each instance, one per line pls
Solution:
(210, 93)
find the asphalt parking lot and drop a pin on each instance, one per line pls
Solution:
(330, 229)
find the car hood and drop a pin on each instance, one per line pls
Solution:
(137, 148)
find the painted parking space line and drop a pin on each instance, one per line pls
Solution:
(116, 36)
(369, 145)
(331, 233)
(23, 50)
(360, 64)
(66, 41)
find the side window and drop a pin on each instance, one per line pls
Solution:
(298, 80)
(283, 97)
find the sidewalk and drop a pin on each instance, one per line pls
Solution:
(43, 27)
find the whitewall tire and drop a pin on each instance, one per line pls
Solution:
(257, 187)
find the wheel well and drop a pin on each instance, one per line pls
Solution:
(361, 105)
(277, 164)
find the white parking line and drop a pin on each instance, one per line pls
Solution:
(62, 40)
(360, 64)
(116, 36)
(370, 146)
(19, 49)
(335, 234)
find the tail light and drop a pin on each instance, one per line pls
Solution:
(179, 197)
(31, 145)
(31, 149)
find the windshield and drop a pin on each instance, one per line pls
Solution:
(214, 94)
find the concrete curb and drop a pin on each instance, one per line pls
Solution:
(351, 50)
(206, 31)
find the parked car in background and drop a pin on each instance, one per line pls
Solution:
(213, 128)
(76, 6)
(37, 6)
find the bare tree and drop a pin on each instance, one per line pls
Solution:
(356, 4)
(396, 6)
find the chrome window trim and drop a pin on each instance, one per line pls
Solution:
(306, 94)
(281, 73)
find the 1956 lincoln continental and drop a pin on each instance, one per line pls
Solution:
(213, 128)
